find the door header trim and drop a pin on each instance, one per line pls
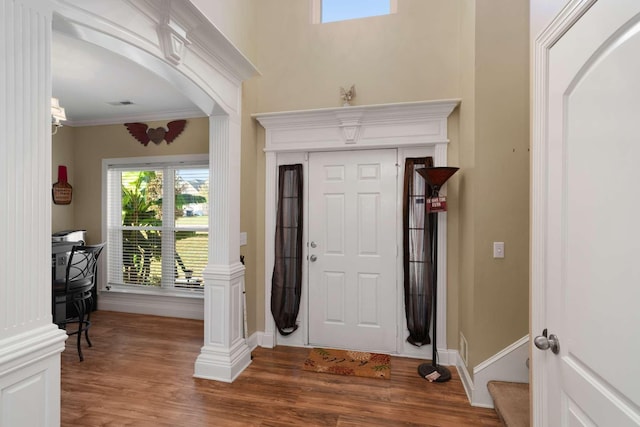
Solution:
(358, 127)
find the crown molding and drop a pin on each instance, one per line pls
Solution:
(126, 118)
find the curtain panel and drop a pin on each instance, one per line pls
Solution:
(418, 252)
(286, 282)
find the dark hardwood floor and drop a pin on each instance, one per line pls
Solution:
(139, 373)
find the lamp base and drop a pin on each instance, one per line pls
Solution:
(437, 374)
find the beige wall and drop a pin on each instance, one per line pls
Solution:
(234, 18)
(251, 193)
(408, 56)
(494, 297)
(466, 177)
(62, 153)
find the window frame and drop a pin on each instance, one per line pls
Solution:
(115, 251)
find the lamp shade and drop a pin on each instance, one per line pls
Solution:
(437, 176)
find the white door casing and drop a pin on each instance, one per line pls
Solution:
(415, 128)
(352, 252)
(585, 231)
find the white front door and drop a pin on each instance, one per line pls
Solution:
(586, 223)
(352, 250)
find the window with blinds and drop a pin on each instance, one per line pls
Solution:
(157, 224)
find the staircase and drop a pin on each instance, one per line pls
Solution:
(511, 401)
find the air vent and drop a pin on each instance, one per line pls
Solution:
(119, 103)
(464, 349)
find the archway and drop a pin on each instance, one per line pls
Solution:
(173, 41)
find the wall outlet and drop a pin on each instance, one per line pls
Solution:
(464, 349)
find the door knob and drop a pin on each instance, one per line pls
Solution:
(545, 343)
(313, 258)
(314, 244)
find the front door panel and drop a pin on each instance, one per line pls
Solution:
(352, 250)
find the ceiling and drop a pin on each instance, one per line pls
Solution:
(92, 82)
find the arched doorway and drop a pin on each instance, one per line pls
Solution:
(159, 37)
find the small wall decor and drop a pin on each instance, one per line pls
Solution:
(347, 95)
(62, 190)
(144, 134)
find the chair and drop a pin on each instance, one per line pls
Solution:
(75, 290)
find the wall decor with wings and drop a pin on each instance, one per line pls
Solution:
(144, 134)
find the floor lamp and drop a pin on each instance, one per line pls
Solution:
(435, 177)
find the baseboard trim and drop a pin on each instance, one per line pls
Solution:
(266, 340)
(157, 305)
(252, 341)
(506, 365)
(501, 354)
(465, 377)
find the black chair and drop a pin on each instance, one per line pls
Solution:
(75, 291)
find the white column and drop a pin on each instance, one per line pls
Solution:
(30, 344)
(225, 353)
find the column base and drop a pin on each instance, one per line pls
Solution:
(30, 377)
(215, 363)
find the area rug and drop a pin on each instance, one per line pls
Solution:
(345, 362)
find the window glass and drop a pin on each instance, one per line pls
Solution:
(340, 10)
(191, 225)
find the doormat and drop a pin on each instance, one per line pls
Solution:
(345, 362)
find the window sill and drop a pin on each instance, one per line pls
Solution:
(155, 291)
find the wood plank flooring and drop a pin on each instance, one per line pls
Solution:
(139, 373)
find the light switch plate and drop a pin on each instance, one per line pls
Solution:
(243, 238)
(498, 249)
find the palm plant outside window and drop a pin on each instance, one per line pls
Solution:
(158, 225)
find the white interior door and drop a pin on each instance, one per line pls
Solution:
(589, 225)
(352, 250)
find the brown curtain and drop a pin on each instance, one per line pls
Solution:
(286, 282)
(418, 252)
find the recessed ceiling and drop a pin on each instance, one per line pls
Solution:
(94, 86)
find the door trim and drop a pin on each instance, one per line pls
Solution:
(414, 128)
(539, 194)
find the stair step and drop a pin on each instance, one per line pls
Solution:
(511, 401)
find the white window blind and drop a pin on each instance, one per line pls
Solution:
(157, 224)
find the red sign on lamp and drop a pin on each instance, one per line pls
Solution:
(436, 204)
